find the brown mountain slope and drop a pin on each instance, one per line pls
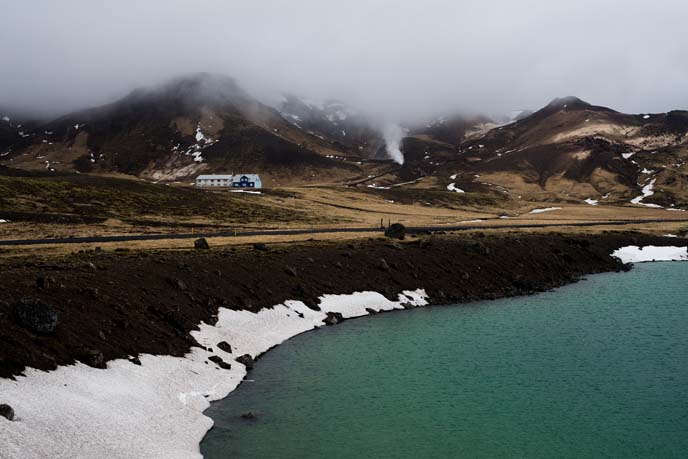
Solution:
(571, 150)
(199, 124)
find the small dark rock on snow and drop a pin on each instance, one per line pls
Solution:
(201, 244)
(225, 346)
(7, 412)
(246, 360)
(220, 363)
(94, 358)
(333, 318)
(36, 315)
(396, 231)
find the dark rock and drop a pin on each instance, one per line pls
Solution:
(291, 271)
(260, 246)
(248, 415)
(333, 318)
(135, 361)
(101, 335)
(201, 244)
(42, 283)
(225, 346)
(383, 265)
(36, 315)
(220, 363)
(424, 243)
(180, 284)
(94, 358)
(246, 360)
(395, 245)
(7, 412)
(396, 231)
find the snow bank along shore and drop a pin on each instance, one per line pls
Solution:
(155, 410)
(635, 254)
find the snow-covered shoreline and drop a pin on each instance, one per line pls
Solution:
(155, 410)
(635, 254)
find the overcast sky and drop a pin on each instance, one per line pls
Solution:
(397, 58)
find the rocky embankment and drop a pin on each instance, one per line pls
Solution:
(97, 306)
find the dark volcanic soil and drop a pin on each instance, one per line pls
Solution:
(119, 304)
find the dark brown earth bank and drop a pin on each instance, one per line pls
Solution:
(97, 306)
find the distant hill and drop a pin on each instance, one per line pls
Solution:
(568, 151)
(200, 123)
(573, 150)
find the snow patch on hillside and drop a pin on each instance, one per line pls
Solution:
(202, 142)
(648, 190)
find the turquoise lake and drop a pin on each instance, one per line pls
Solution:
(595, 369)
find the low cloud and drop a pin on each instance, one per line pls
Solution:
(397, 60)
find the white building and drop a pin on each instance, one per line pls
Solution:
(229, 181)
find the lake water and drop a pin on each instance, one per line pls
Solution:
(595, 369)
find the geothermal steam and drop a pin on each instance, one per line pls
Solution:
(393, 135)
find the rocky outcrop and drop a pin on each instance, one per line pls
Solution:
(143, 306)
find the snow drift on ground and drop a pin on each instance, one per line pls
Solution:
(546, 209)
(452, 187)
(155, 410)
(635, 254)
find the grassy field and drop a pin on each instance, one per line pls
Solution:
(39, 207)
(95, 199)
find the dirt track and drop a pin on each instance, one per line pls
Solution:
(287, 232)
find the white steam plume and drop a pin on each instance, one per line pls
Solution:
(393, 135)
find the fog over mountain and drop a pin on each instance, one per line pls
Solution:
(396, 60)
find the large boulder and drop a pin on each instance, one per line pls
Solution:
(333, 318)
(36, 315)
(7, 412)
(246, 360)
(396, 231)
(201, 244)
